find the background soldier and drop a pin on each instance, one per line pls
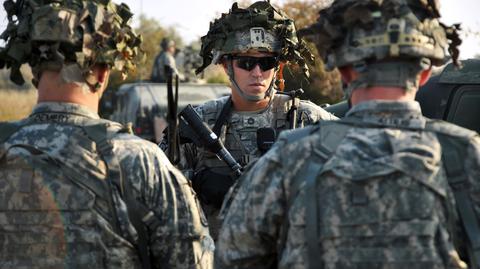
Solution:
(165, 58)
(250, 44)
(370, 190)
(77, 191)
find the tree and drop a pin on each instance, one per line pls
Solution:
(323, 86)
(152, 34)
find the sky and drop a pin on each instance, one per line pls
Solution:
(191, 18)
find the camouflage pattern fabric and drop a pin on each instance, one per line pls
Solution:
(391, 160)
(386, 42)
(179, 239)
(158, 71)
(187, 61)
(259, 27)
(72, 35)
(382, 30)
(240, 137)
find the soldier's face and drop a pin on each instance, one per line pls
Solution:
(262, 69)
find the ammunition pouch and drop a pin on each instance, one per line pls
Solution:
(212, 186)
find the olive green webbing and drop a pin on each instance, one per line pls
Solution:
(453, 151)
(98, 133)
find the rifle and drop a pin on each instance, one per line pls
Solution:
(292, 113)
(204, 136)
(173, 151)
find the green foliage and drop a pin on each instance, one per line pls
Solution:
(152, 34)
(322, 87)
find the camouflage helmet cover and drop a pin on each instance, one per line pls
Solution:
(52, 34)
(259, 27)
(355, 31)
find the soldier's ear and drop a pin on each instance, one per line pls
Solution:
(101, 72)
(425, 76)
(224, 65)
(348, 74)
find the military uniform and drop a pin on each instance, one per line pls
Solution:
(383, 187)
(259, 35)
(239, 136)
(84, 237)
(77, 191)
(388, 149)
(163, 59)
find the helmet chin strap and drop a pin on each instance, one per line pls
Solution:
(248, 97)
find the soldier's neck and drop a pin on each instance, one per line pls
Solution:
(381, 93)
(240, 104)
(52, 89)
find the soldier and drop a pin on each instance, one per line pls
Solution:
(377, 189)
(250, 44)
(77, 191)
(164, 58)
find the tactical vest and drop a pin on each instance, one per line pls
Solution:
(240, 132)
(411, 234)
(56, 216)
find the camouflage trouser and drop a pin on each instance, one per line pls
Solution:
(214, 223)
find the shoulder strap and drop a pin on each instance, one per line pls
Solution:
(290, 136)
(312, 234)
(136, 211)
(223, 117)
(41, 159)
(330, 140)
(453, 152)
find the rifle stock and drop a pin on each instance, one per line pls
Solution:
(209, 139)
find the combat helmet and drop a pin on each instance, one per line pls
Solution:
(259, 27)
(69, 36)
(388, 42)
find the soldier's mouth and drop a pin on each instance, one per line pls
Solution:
(257, 84)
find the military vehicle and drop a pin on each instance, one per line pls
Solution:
(144, 104)
(453, 95)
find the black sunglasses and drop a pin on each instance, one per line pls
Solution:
(248, 62)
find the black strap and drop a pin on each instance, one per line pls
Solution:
(173, 151)
(223, 117)
(453, 153)
(312, 234)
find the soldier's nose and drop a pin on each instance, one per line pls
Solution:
(256, 71)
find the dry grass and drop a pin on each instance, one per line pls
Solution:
(15, 104)
(216, 74)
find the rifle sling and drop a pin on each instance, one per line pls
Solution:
(223, 117)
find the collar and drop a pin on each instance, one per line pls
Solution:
(64, 108)
(389, 113)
